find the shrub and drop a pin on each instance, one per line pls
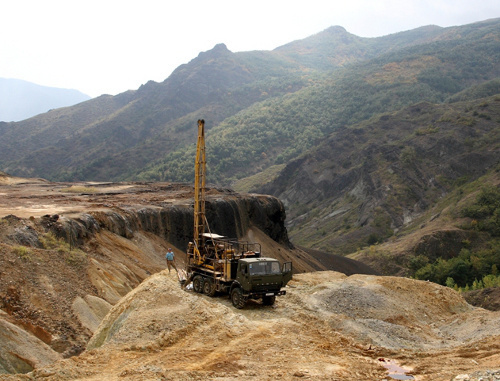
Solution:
(491, 281)
(450, 282)
(408, 155)
(372, 239)
(485, 211)
(23, 252)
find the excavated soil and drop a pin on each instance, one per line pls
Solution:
(328, 327)
(27, 198)
(54, 294)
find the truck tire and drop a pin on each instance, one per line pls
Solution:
(198, 283)
(268, 300)
(237, 298)
(209, 287)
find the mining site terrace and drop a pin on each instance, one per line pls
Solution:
(84, 295)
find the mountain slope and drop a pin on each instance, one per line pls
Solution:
(148, 117)
(275, 130)
(21, 100)
(389, 177)
(279, 129)
(275, 100)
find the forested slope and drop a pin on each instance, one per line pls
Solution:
(261, 107)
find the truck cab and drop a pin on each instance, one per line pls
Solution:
(259, 278)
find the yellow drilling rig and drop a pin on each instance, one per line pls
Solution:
(216, 264)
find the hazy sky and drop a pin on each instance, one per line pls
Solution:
(110, 46)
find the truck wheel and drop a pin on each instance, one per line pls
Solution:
(237, 298)
(209, 287)
(198, 283)
(268, 300)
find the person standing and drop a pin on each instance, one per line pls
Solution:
(170, 259)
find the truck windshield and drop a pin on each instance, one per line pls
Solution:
(264, 268)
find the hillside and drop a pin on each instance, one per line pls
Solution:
(398, 187)
(21, 100)
(378, 176)
(262, 107)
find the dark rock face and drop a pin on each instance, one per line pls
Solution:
(229, 216)
(26, 236)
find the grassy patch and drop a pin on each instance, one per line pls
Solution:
(73, 256)
(259, 179)
(22, 252)
(431, 129)
(79, 189)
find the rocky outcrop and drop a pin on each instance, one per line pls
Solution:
(228, 215)
(90, 311)
(62, 271)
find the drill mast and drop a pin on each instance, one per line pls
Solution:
(199, 188)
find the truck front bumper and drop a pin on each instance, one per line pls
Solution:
(258, 295)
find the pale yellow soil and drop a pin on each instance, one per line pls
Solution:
(327, 327)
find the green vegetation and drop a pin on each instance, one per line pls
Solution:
(471, 268)
(488, 281)
(72, 256)
(485, 212)
(23, 252)
(465, 269)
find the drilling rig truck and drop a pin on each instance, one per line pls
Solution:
(216, 264)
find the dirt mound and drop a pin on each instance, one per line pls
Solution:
(398, 313)
(328, 327)
(21, 351)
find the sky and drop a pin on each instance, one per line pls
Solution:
(111, 46)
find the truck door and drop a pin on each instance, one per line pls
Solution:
(243, 276)
(287, 272)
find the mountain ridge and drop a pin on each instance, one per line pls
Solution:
(367, 169)
(21, 99)
(218, 84)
